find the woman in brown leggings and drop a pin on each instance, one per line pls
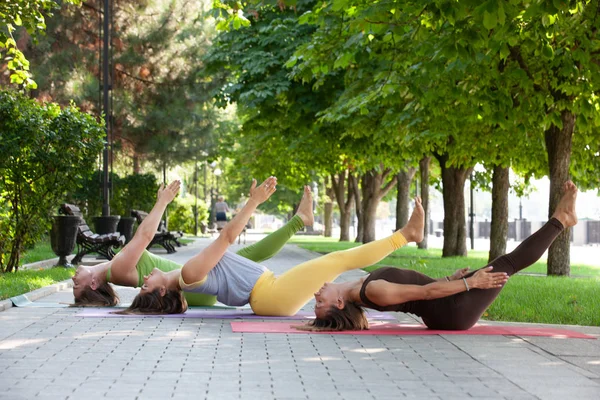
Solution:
(452, 303)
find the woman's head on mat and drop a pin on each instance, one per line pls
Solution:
(91, 291)
(334, 312)
(158, 295)
(157, 301)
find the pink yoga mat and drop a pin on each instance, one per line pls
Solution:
(215, 314)
(384, 328)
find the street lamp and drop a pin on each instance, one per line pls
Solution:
(106, 106)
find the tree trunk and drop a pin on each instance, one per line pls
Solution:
(403, 196)
(339, 183)
(424, 169)
(328, 215)
(357, 206)
(136, 163)
(373, 190)
(328, 208)
(499, 228)
(455, 226)
(558, 146)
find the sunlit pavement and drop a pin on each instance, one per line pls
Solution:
(49, 353)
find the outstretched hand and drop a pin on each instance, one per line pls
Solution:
(261, 193)
(167, 194)
(485, 279)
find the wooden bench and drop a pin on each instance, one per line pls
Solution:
(90, 242)
(163, 237)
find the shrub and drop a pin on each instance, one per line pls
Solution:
(87, 193)
(181, 214)
(137, 192)
(44, 150)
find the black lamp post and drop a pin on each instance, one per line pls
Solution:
(106, 89)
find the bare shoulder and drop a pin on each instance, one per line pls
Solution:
(377, 289)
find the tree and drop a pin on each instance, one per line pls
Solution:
(28, 14)
(424, 192)
(162, 107)
(45, 149)
(280, 132)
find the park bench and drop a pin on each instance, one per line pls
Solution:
(90, 242)
(163, 237)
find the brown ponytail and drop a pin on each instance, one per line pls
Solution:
(173, 302)
(103, 296)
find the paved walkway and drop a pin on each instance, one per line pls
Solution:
(48, 353)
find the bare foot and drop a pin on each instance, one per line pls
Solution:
(305, 209)
(565, 210)
(413, 230)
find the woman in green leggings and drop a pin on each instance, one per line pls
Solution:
(128, 268)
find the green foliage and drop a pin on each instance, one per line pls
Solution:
(28, 14)
(161, 105)
(281, 130)
(45, 149)
(181, 214)
(87, 194)
(134, 192)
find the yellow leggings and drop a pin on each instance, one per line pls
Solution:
(287, 294)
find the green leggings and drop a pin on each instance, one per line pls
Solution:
(258, 252)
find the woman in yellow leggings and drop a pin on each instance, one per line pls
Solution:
(237, 281)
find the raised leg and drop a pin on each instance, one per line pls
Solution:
(288, 293)
(467, 307)
(271, 244)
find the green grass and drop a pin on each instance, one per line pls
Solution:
(23, 281)
(540, 299)
(549, 300)
(41, 251)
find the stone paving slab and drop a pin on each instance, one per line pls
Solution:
(47, 353)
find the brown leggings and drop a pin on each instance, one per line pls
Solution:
(463, 310)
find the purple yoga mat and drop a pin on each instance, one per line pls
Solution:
(217, 314)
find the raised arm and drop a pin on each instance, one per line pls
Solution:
(385, 293)
(199, 266)
(123, 268)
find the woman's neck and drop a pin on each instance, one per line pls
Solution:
(351, 290)
(173, 279)
(99, 271)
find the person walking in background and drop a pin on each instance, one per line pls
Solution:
(221, 210)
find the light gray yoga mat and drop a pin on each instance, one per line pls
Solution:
(23, 301)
